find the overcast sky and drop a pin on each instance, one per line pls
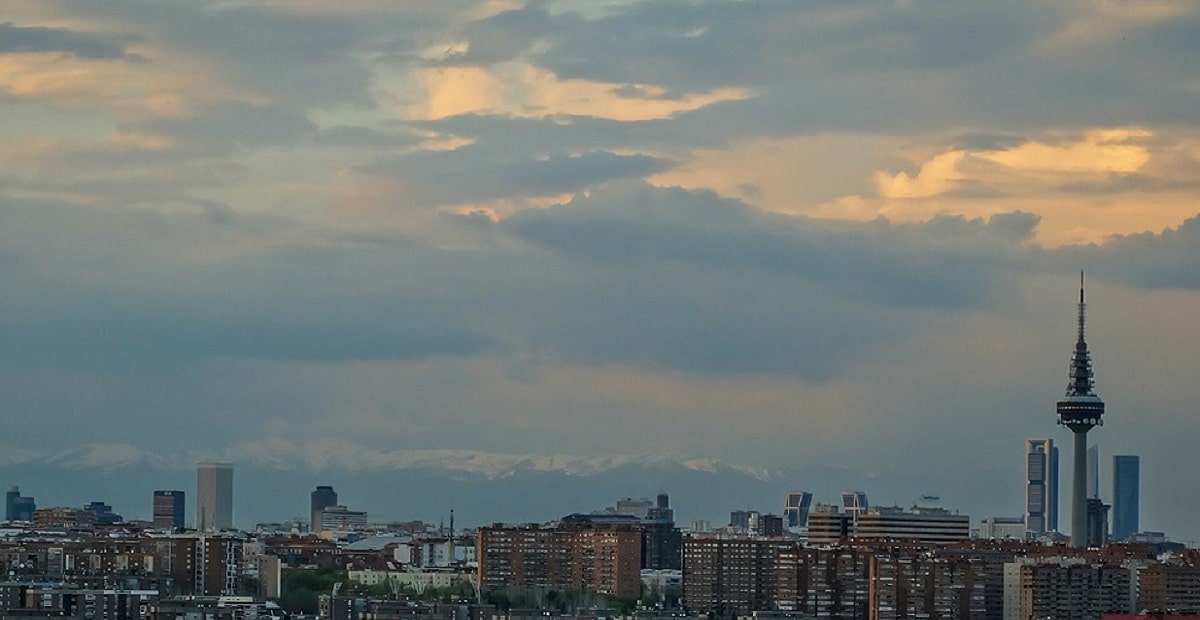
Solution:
(775, 233)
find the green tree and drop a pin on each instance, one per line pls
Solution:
(301, 586)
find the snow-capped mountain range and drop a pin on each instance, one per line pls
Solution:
(345, 456)
(273, 479)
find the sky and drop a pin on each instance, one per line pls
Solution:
(769, 232)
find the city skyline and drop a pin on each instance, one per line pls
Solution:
(790, 237)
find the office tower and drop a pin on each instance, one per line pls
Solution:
(10, 502)
(639, 508)
(739, 520)
(854, 503)
(1097, 522)
(168, 509)
(795, 509)
(1041, 487)
(1125, 496)
(319, 500)
(103, 513)
(339, 518)
(1080, 411)
(18, 507)
(662, 510)
(214, 496)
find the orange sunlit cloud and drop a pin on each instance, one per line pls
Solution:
(522, 90)
(849, 176)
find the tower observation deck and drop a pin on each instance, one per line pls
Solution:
(1080, 411)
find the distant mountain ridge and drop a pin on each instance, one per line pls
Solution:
(273, 479)
(346, 456)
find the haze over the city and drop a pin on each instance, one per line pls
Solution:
(777, 234)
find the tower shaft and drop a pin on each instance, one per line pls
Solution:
(1079, 491)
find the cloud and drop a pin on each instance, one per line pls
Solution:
(142, 287)
(475, 173)
(1169, 259)
(16, 39)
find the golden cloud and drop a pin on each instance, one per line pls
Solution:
(522, 90)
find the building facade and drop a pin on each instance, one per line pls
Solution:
(1041, 487)
(827, 526)
(168, 509)
(1065, 589)
(1126, 474)
(214, 496)
(795, 509)
(323, 497)
(18, 507)
(602, 558)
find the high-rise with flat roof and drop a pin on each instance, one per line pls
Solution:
(168, 509)
(1041, 487)
(320, 499)
(1126, 471)
(214, 496)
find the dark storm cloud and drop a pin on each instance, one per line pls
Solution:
(939, 263)
(300, 60)
(475, 173)
(868, 65)
(122, 287)
(1167, 259)
(667, 278)
(694, 46)
(16, 39)
(638, 276)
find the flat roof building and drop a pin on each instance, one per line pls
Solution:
(214, 496)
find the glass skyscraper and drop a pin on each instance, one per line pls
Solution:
(1126, 471)
(1041, 487)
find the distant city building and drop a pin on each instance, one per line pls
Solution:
(770, 525)
(1097, 522)
(728, 577)
(826, 525)
(603, 558)
(320, 499)
(1126, 473)
(639, 508)
(1041, 487)
(662, 510)
(795, 509)
(214, 496)
(1065, 588)
(169, 509)
(205, 564)
(18, 507)
(340, 519)
(854, 503)
(1167, 586)
(740, 520)
(1002, 528)
(64, 518)
(662, 542)
(104, 513)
